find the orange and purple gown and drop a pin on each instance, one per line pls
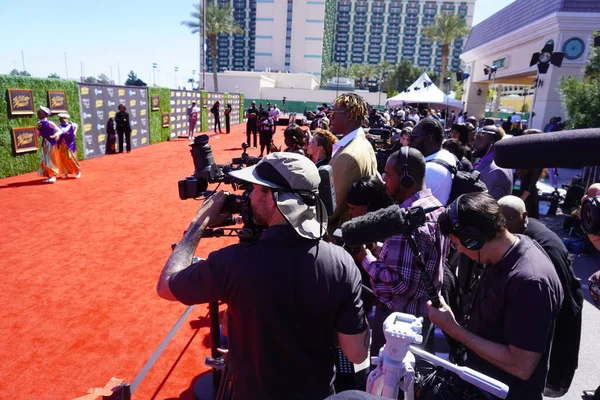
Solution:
(49, 159)
(67, 149)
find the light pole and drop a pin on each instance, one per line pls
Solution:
(193, 78)
(154, 66)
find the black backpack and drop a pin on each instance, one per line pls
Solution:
(462, 181)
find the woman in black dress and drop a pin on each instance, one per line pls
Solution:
(215, 112)
(227, 112)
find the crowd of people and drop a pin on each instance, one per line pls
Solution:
(297, 296)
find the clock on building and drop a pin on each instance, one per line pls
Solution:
(573, 48)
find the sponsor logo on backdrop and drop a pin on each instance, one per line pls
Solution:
(134, 112)
(178, 117)
(110, 91)
(178, 109)
(100, 114)
(133, 123)
(97, 91)
(178, 102)
(134, 132)
(85, 115)
(177, 94)
(172, 110)
(85, 90)
(143, 103)
(86, 103)
(102, 148)
(111, 103)
(111, 114)
(144, 121)
(142, 112)
(88, 151)
(172, 93)
(184, 117)
(178, 126)
(121, 92)
(132, 92)
(88, 139)
(87, 127)
(134, 142)
(144, 140)
(100, 127)
(99, 103)
(172, 102)
(183, 101)
(101, 138)
(132, 103)
(142, 93)
(122, 101)
(143, 131)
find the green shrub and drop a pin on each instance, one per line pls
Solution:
(157, 132)
(12, 164)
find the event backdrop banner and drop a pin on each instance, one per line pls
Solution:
(211, 99)
(234, 117)
(99, 103)
(181, 100)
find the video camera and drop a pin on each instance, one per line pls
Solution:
(590, 215)
(207, 171)
(383, 145)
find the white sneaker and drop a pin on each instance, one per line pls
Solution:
(50, 180)
(78, 175)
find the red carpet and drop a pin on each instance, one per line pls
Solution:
(80, 263)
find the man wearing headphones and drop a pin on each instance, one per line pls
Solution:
(510, 322)
(395, 277)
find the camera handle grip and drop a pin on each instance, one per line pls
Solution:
(431, 292)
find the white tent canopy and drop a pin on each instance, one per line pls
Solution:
(431, 95)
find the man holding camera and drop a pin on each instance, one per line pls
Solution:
(395, 277)
(291, 295)
(509, 325)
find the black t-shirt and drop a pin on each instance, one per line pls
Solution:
(287, 296)
(252, 121)
(517, 302)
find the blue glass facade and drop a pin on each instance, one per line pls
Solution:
(236, 52)
(377, 30)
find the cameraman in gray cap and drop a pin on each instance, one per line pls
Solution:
(291, 295)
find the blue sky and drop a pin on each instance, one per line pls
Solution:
(125, 34)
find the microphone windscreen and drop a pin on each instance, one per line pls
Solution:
(565, 149)
(375, 226)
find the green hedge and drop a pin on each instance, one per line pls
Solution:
(12, 164)
(290, 106)
(157, 132)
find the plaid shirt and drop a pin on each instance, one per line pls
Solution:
(395, 277)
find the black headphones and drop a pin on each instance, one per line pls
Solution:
(407, 180)
(470, 236)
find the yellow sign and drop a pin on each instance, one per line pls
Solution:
(144, 140)
(85, 90)
(172, 111)
(101, 138)
(131, 103)
(121, 92)
(178, 117)
(99, 103)
(21, 101)
(143, 112)
(25, 139)
(134, 132)
(178, 102)
(111, 114)
(87, 127)
(57, 101)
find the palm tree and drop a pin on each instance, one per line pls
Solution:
(445, 30)
(219, 20)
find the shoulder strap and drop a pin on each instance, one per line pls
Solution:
(444, 164)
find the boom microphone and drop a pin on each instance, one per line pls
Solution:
(565, 149)
(379, 225)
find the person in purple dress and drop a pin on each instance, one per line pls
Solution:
(50, 133)
(67, 149)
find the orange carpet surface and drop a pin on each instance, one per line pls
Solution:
(81, 258)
